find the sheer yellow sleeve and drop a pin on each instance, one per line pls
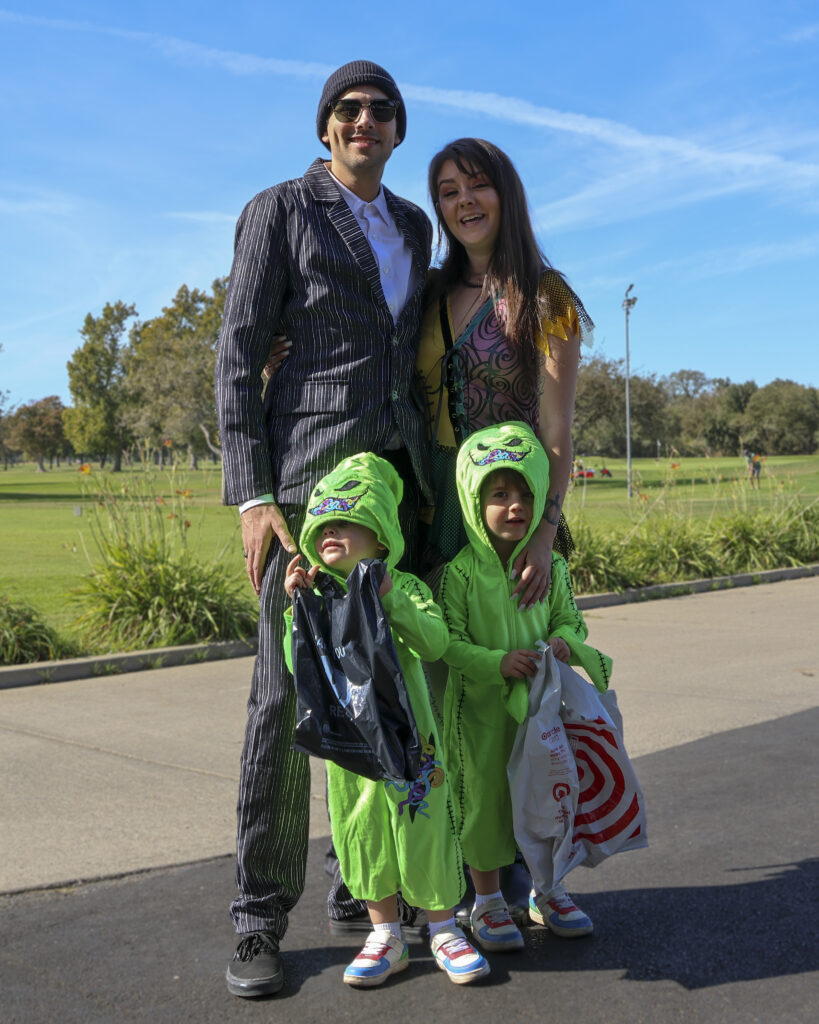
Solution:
(561, 327)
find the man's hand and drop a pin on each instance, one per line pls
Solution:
(560, 649)
(259, 525)
(520, 664)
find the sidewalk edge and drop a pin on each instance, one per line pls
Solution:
(41, 672)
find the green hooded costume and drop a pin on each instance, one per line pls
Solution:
(482, 708)
(390, 837)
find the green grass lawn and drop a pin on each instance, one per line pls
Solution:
(698, 488)
(47, 518)
(47, 535)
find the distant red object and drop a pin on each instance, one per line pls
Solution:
(606, 472)
(583, 473)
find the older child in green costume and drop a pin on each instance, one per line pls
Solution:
(389, 837)
(502, 477)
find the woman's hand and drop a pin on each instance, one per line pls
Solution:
(298, 578)
(279, 350)
(520, 664)
(533, 567)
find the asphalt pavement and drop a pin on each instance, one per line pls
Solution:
(116, 835)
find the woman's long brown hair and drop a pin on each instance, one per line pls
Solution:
(517, 264)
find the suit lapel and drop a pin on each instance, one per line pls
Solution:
(340, 216)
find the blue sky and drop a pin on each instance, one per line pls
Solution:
(672, 146)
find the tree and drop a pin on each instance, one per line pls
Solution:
(171, 363)
(600, 410)
(782, 418)
(97, 423)
(37, 430)
(5, 413)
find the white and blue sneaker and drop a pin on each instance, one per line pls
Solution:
(453, 954)
(493, 928)
(559, 913)
(383, 954)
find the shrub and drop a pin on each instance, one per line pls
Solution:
(149, 587)
(25, 637)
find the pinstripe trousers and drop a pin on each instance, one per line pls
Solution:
(274, 785)
(273, 809)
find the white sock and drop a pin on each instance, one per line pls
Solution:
(480, 900)
(439, 926)
(394, 927)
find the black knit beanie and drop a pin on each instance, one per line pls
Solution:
(359, 72)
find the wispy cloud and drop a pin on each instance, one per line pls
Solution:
(657, 171)
(802, 35)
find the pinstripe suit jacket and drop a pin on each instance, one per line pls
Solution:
(303, 267)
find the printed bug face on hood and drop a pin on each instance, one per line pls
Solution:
(511, 446)
(363, 489)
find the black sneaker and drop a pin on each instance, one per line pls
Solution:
(414, 922)
(255, 969)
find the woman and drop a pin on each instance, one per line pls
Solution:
(500, 341)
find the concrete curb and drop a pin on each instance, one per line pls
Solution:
(166, 657)
(660, 590)
(113, 664)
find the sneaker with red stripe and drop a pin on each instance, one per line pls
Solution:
(453, 954)
(559, 913)
(493, 928)
(383, 954)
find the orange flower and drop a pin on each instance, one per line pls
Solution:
(675, 465)
(187, 493)
(84, 468)
(168, 442)
(159, 500)
(187, 524)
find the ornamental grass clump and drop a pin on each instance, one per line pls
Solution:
(600, 562)
(25, 637)
(149, 586)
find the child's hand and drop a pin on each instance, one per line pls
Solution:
(519, 664)
(298, 578)
(386, 584)
(560, 649)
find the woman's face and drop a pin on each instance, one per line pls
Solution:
(470, 208)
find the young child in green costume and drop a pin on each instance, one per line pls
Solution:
(389, 837)
(502, 476)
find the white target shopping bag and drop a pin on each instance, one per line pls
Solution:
(575, 797)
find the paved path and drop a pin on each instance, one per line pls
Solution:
(716, 921)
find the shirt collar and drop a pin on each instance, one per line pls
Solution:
(357, 204)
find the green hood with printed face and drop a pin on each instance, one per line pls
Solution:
(510, 446)
(363, 489)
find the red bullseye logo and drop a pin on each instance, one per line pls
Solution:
(560, 791)
(607, 804)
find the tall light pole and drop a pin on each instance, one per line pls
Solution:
(627, 304)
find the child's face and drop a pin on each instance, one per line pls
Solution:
(506, 505)
(341, 545)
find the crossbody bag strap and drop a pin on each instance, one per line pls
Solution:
(449, 375)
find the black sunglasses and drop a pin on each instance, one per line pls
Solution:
(382, 111)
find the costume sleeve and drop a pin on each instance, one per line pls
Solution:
(287, 638)
(566, 621)
(462, 654)
(253, 305)
(415, 617)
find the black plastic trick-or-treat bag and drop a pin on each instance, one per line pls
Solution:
(353, 706)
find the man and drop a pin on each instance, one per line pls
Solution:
(337, 263)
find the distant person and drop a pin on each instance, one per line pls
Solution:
(753, 462)
(338, 263)
(390, 837)
(502, 480)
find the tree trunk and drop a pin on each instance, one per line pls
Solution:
(40, 467)
(192, 461)
(117, 467)
(216, 451)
